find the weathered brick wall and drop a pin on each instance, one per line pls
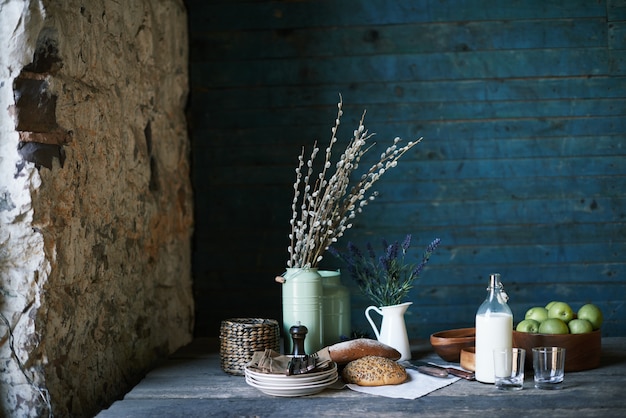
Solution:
(96, 202)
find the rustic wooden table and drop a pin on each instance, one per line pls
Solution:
(191, 384)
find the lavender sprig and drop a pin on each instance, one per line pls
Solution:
(386, 279)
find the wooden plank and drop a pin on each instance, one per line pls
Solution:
(443, 136)
(324, 97)
(227, 15)
(424, 190)
(284, 156)
(408, 67)
(618, 62)
(532, 168)
(428, 111)
(617, 35)
(508, 252)
(452, 169)
(495, 212)
(616, 10)
(487, 254)
(447, 133)
(462, 218)
(472, 237)
(411, 38)
(466, 227)
(443, 269)
(456, 263)
(583, 272)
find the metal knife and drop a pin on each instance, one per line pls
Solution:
(431, 371)
(430, 368)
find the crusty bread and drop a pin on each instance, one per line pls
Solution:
(374, 371)
(347, 351)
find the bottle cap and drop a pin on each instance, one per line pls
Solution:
(494, 282)
(494, 279)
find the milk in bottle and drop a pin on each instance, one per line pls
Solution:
(494, 329)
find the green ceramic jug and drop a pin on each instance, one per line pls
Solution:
(302, 305)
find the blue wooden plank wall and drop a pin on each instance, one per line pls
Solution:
(522, 171)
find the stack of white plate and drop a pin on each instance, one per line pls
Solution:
(294, 385)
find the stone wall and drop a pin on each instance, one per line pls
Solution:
(95, 200)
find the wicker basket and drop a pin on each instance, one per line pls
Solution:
(241, 337)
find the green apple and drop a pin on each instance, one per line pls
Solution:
(591, 313)
(528, 325)
(562, 311)
(538, 313)
(549, 305)
(579, 326)
(553, 326)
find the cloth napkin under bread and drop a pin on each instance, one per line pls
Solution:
(416, 386)
(272, 362)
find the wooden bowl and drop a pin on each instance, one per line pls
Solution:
(468, 358)
(448, 344)
(582, 351)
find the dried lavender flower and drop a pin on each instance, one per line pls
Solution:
(387, 279)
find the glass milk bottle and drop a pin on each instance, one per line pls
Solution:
(494, 328)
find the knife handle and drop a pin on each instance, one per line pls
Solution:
(461, 373)
(432, 371)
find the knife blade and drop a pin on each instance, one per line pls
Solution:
(449, 370)
(431, 371)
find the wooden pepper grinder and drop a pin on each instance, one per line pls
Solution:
(298, 333)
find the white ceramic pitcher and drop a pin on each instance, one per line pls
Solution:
(393, 328)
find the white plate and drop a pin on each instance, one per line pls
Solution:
(306, 377)
(290, 380)
(292, 384)
(296, 391)
(325, 382)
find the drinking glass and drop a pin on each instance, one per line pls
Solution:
(509, 368)
(549, 367)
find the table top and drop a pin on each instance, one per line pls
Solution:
(191, 383)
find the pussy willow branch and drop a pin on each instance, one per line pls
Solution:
(325, 204)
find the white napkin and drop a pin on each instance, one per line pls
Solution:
(417, 385)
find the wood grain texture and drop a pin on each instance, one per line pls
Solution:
(192, 384)
(522, 169)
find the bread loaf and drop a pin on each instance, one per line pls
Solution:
(347, 351)
(374, 371)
